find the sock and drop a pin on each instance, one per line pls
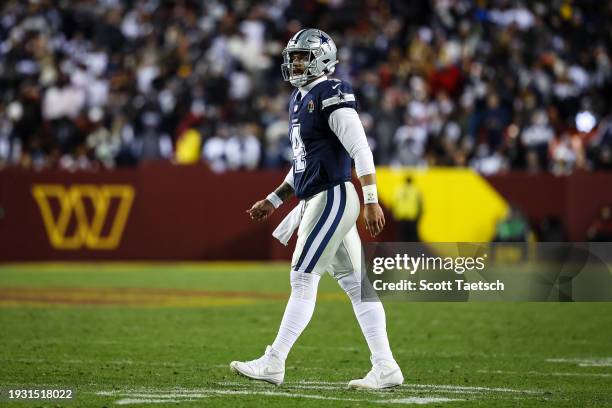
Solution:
(298, 312)
(371, 318)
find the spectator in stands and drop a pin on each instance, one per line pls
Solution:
(109, 83)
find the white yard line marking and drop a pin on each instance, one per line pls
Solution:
(439, 387)
(159, 394)
(315, 387)
(344, 387)
(584, 362)
(313, 396)
(291, 390)
(331, 385)
(416, 400)
(542, 373)
(130, 401)
(334, 385)
(157, 397)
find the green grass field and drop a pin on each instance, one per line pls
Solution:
(164, 334)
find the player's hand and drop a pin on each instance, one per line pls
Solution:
(261, 210)
(374, 218)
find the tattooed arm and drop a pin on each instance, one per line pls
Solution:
(284, 191)
(264, 208)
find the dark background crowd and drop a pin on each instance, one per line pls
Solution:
(493, 85)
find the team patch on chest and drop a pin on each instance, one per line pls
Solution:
(310, 106)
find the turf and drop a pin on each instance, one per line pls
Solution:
(163, 335)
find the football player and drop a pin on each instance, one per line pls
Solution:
(326, 134)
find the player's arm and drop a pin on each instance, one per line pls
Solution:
(263, 208)
(345, 123)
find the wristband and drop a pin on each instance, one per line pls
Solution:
(274, 199)
(370, 195)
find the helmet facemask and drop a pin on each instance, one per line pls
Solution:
(298, 72)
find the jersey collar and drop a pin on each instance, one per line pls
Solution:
(306, 88)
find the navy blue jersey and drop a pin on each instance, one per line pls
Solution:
(319, 159)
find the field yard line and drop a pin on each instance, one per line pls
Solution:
(436, 387)
(165, 393)
(343, 387)
(584, 362)
(285, 386)
(549, 373)
(417, 400)
(145, 398)
(129, 401)
(162, 395)
(440, 387)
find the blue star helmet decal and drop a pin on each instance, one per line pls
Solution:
(324, 39)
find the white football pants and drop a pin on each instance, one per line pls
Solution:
(328, 241)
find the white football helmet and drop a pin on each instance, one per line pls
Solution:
(321, 59)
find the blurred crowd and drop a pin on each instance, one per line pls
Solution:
(493, 85)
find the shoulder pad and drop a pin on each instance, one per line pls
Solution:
(336, 92)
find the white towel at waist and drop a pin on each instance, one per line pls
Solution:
(287, 226)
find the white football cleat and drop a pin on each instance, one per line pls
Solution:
(269, 367)
(384, 374)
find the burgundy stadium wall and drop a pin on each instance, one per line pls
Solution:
(190, 213)
(576, 200)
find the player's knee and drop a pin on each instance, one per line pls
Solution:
(304, 285)
(351, 286)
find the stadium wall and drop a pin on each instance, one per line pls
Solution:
(163, 211)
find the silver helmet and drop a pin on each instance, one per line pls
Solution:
(321, 56)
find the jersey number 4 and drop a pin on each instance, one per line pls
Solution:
(299, 153)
